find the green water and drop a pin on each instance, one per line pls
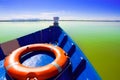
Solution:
(100, 41)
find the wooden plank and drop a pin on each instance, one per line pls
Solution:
(9, 46)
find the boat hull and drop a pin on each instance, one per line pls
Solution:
(78, 67)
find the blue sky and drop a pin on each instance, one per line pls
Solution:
(65, 9)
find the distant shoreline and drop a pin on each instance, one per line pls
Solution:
(59, 20)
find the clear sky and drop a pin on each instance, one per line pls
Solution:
(65, 9)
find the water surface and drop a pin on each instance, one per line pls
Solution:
(100, 41)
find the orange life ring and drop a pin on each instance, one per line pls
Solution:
(20, 72)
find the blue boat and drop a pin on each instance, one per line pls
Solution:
(78, 67)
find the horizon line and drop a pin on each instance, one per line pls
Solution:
(34, 20)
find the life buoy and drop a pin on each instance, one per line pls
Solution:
(20, 72)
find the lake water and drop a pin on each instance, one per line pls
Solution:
(100, 41)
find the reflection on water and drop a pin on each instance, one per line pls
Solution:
(100, 41)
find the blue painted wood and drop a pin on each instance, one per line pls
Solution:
(2, 56)
(28, 39)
